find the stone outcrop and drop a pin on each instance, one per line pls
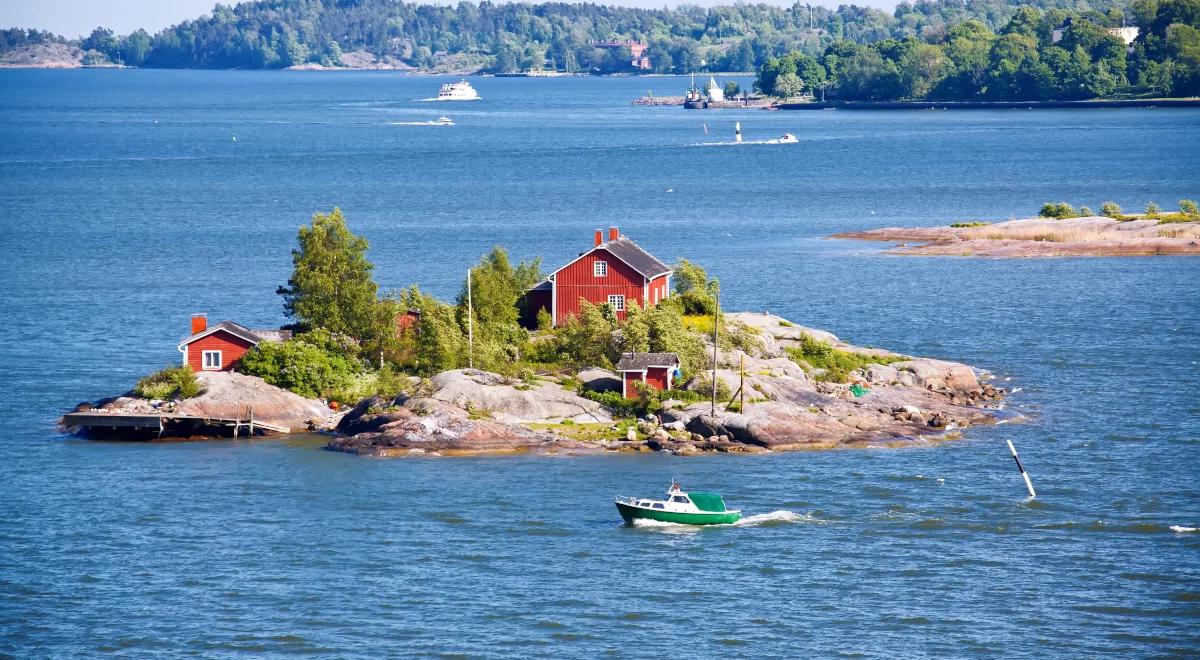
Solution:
(423, 425)
(475, 412)
(231, 395)
(513, 402)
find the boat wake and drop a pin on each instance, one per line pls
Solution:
(772, 519)
(420, 123)
(1180, 529)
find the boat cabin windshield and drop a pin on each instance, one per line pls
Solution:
(679, 498)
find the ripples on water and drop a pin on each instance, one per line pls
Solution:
(127, 206)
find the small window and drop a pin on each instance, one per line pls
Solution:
(679, 498)
(617, 302)
(212, 359)
(658, 505)
(600, 268)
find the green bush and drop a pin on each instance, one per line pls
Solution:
(694, 292)
(1059, 210)
(1188, 207)
(387, 382)
(1086, 212)
(1152, 209)
(835, 363)
(172, 382)
(702, 386)
(308, 369)
(1111, 210)
(621, 406)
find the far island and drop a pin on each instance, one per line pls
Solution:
(1060, 231)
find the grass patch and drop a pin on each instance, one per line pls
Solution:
(587, 431)
(170, 383)
(786, 323)
(966, 225)
(1176, 218)
(835, 364)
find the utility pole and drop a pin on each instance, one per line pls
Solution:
(716, 317)
(470, 325)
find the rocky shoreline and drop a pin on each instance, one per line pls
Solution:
(469, 412)
(1092, 236)
(789, 406)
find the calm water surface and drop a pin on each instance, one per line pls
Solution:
(127, 204)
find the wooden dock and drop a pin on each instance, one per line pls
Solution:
(169, 424)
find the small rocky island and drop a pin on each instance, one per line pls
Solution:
(616, 351)
(891, 399)
(1092, 236)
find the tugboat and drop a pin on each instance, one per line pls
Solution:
(459, 91)
(685, 508)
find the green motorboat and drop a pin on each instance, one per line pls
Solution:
(694, 508)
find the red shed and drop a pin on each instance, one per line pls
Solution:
(654, 369)
(615, 271)
(219, 347)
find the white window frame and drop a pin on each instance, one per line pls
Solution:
(617, 301)
(600, 269)
(204, 360)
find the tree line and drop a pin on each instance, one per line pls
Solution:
(512, 36)
(1036, 55)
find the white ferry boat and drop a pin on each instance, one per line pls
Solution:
(459, 91)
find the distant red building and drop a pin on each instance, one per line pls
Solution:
(616, 272)
(637, 52)
(217, 348)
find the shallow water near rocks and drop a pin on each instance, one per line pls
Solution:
(127, 206)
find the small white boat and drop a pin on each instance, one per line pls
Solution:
(459, 91)
(786, 138)
(444, 121)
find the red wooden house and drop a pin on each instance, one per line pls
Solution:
(218, 347)
(615, 271)
(656, 370)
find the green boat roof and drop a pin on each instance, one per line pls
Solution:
(707, 501)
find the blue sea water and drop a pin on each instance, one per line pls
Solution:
(130, 199)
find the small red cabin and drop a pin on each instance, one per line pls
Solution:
(615, 272)
(217, 348)
(654, 369)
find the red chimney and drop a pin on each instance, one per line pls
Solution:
(199, 323)
(599, 237)
(613, 234)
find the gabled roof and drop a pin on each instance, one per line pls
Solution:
(632, 254)
(641, 361)
(637, 258)
(241, 332)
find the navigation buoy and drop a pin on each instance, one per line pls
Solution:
(737, 128)
(1028, 483)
